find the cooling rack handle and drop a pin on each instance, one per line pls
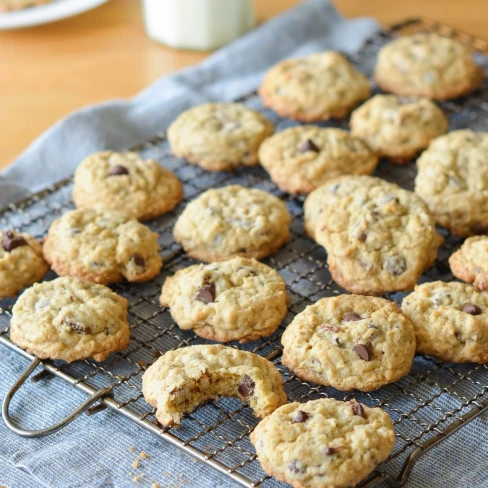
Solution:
(53, 428)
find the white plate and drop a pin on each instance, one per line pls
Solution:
(43, 14)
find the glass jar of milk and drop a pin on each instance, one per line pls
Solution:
(198, 24)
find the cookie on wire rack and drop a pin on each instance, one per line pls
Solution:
(315, 87)
(182, 379)
(102, 246)
(450, 321)
(350, 342)
(379, 237)
(239, 299)
(452, 178)
(427, 65)
(470, 262)
(126, 183)
(233, 221)
(70, 319)
(398, 128)
(21, 262)
(300, 159)
(219, 136)
(323, 443)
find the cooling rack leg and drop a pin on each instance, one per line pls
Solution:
(48, 430)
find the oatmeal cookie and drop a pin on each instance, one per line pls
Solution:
(315, 87)
(70, 319)
(450, 321)
(126, 183)
(323, 443)
(427, 65)
(219, 136)
(180, 380)
(240, 299)
(232, 221)
(300, 159)
(103, 247)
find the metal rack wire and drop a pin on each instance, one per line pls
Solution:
(430, 404)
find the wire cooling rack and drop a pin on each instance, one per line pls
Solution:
(428, 405)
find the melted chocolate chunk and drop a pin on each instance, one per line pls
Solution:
(78, 328)
(351, 317)
(363, 351)
(11, 241)
(246, 387)
(309, 145)
(300, 417)
(118, 171)
(357, 409)
(206, 293)
(472, 309)
(329, 451)
(139, 261)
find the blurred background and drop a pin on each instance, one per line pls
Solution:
(50, 70)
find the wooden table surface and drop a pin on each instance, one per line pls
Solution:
(48, 71)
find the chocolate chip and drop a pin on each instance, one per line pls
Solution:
(295, 466)
(363, 351)
(309, 145)
(246, 387)
(107, 332)
(472, 309)
(329, 451)
(395, 265)
(11, 241)
(300, 417)
(78, 328)
(351, 317)
(206, 293)
(139, 261)
(118, 171)
(357, 409)
(362, 237)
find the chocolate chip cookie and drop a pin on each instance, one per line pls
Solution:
(315, 87)
(70, 319)
(180, 380)
(126, 183)
(323, 443)
(350, 342)
(398, 128)
(21, 262)
(232, 221)
(300, 159)
(103, 247)
(470, 262)
(325, 196)
(240, 299)
(427, 65)
(450, 321)
(219, 136)
(378, 237)
(453, 179)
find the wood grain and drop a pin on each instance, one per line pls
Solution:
(48, 71)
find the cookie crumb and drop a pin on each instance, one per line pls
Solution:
(135, 464)
(138, 478)
(144, 455)
(132, 449)
(155, 485)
